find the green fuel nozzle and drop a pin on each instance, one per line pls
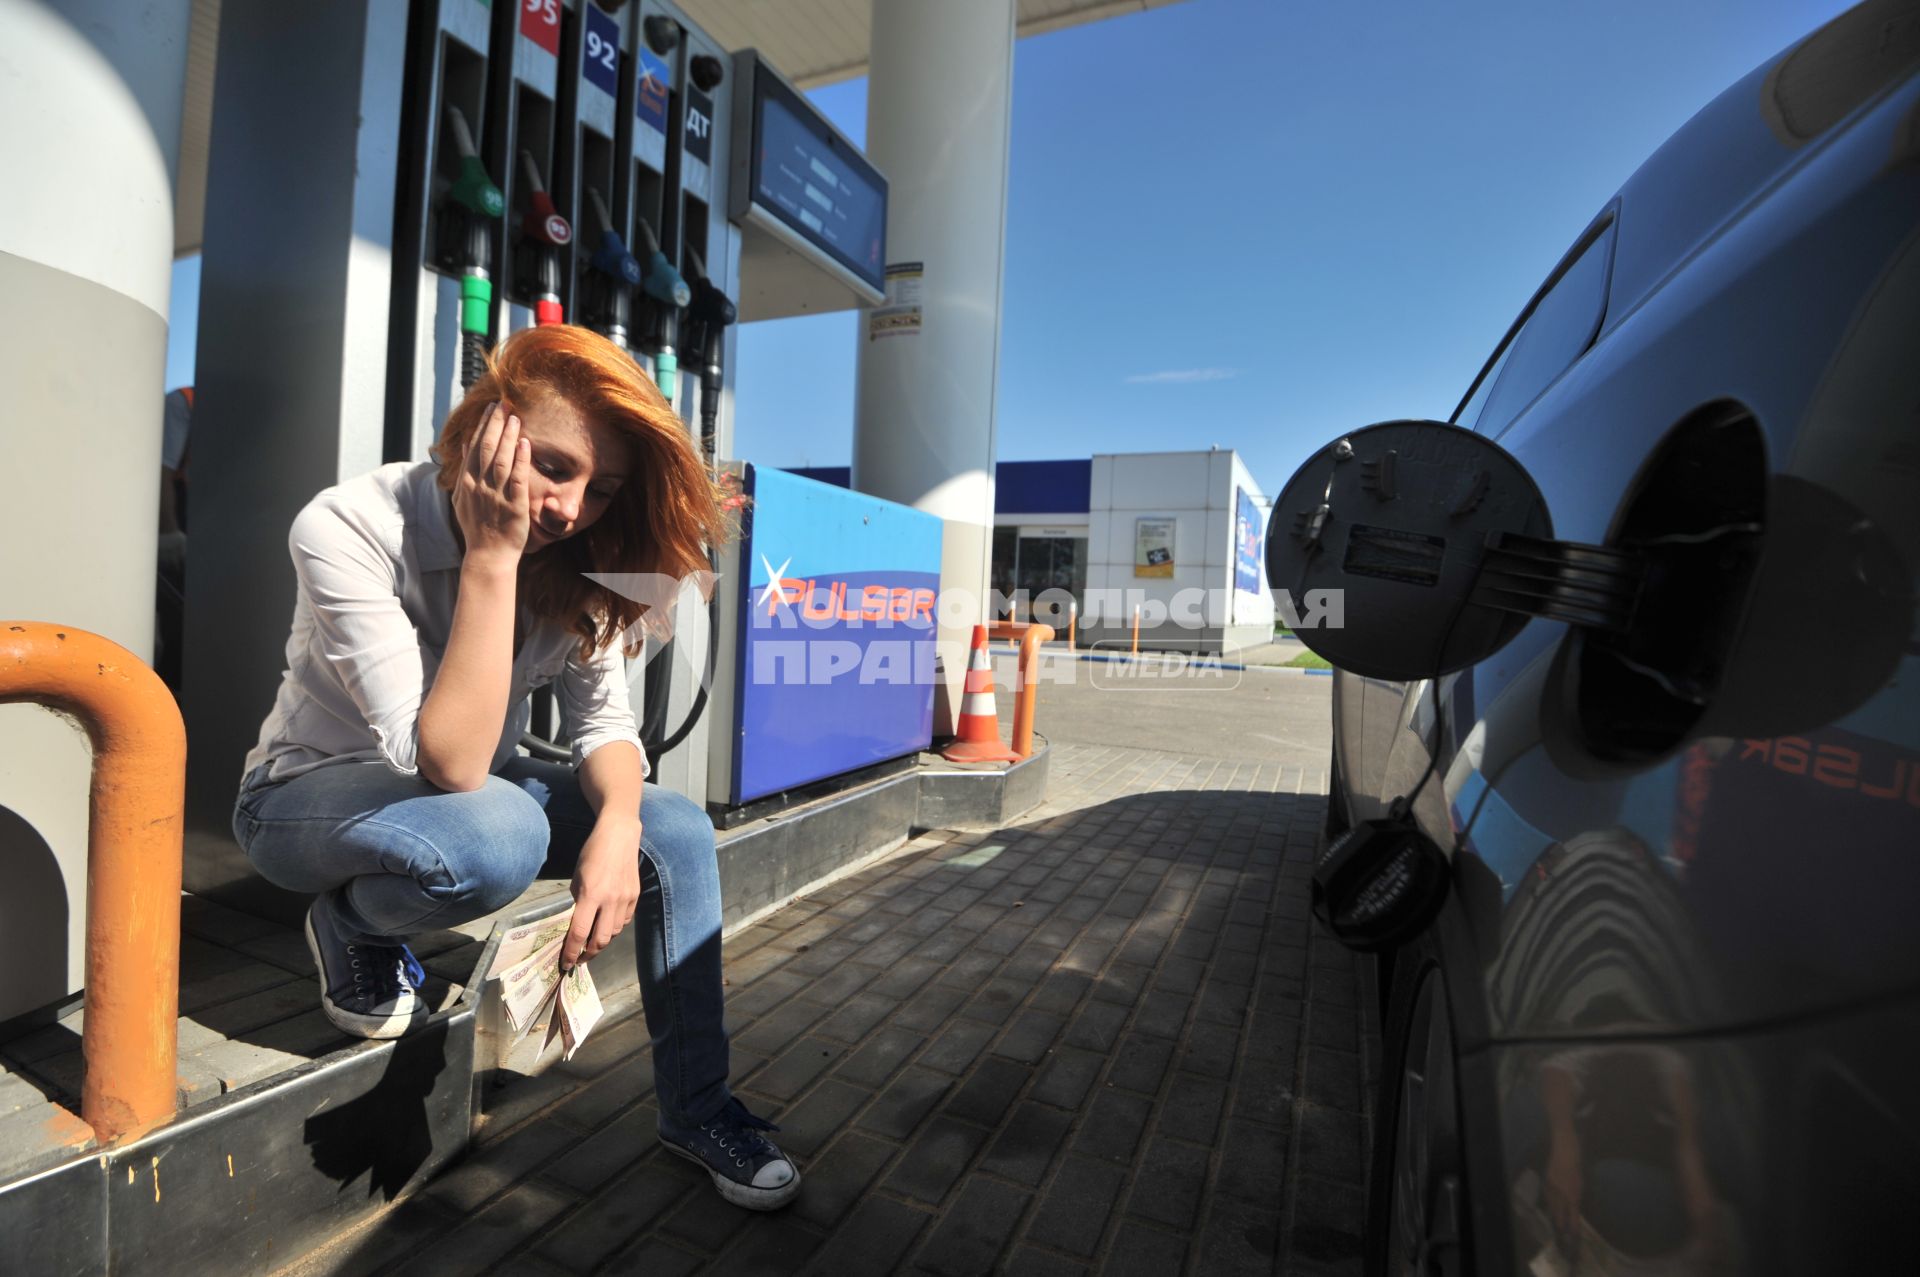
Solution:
(475, 190)
(472, 188)
(470, 204)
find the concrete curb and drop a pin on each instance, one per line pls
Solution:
(310, 1130)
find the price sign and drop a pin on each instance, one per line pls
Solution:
(540, 23)
(600, 57)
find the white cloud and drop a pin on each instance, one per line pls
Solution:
(1183, 375)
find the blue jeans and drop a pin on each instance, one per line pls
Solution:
(394, 856)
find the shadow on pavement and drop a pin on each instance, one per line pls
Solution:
(1104, 1039)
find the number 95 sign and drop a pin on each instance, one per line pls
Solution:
(540, 23)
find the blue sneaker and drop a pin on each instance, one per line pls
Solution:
(367, 990)
(747, 1168)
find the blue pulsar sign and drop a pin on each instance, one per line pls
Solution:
(1247, 543)
(837, 632)
(651, 88)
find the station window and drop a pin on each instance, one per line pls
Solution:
(1005, 548)
(1049, 562)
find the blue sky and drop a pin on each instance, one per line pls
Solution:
(1257, 223)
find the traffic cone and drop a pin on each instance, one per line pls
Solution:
(978, 740)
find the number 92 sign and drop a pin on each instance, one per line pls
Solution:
(600, 51)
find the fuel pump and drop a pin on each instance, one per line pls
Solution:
(448, 221)
(709, 313)
(689, 119)
(672, 166)
(595, 47)
(640, 195)
(520, 141)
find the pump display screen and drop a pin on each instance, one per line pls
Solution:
(805, 174)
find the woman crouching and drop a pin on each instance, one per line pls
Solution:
(433, 597)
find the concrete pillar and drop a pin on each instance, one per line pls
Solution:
(296, 286)
(91, 94)
(939, 108)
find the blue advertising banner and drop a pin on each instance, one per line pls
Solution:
(837, 633)
(1247, 544)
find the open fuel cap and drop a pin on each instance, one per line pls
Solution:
(1398, 521)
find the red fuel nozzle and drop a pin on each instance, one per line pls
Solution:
(543, 222)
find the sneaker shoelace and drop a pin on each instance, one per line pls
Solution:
(387, 971)
(737, 1132)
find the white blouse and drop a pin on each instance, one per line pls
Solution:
(379, 569)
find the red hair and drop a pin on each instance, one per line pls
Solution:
(667, 512)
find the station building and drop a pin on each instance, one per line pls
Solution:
(1178, 535)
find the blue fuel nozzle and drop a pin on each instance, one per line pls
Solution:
(613, 260)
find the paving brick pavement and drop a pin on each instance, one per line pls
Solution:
(1101, 1039)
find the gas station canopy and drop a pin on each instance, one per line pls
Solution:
(812, 42)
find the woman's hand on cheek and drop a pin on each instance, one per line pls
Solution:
(606, 890)
(491, 496)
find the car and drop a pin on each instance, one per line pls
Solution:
(1625, 789)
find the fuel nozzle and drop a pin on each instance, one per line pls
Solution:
(709, 309)
(670, 294)
(472, 188)
(662, 282)
(471, 203)
(709, 314)
(543, 234)
(609, 278)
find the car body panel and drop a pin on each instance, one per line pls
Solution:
(1699, 340)
(1696, 946)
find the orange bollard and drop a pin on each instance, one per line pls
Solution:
(1030, 643)
(1136, 629)
(134, 827)
(1073, 621)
